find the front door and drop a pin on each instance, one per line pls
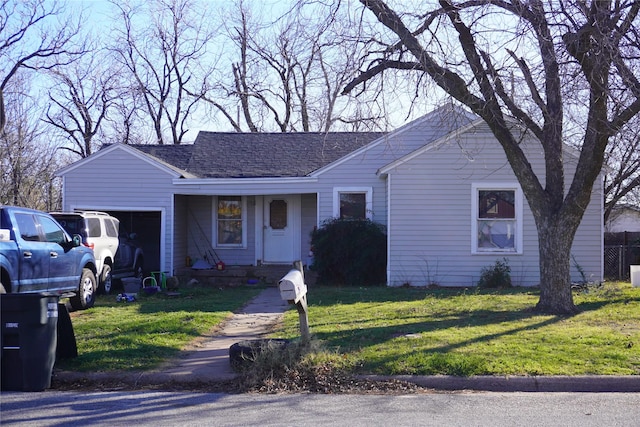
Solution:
(281, 229)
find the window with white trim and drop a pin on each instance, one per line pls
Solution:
(497, 218)
(352, 202)
(230, 219)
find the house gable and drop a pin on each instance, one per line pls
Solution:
(624, 218)
(418, 134)
(356, 172)
(104, 155)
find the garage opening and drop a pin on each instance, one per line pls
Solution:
(146, 226)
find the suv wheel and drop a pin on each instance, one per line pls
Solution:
(106, 280)
(86, 295)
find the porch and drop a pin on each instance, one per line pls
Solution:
(241, 275)
(255, 236)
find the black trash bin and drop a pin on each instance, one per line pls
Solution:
(28, 341)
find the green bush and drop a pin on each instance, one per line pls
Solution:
(350, 252)
(496, 276)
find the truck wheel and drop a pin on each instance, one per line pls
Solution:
(86, 295)
(106, 281)
(5, 280)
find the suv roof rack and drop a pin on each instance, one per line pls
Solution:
(81, 211)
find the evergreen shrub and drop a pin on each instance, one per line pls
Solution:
(350, 252)
(496, 276)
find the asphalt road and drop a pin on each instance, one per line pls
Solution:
(54, 408)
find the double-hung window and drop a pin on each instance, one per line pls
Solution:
(352, 203)
(230, 220)
(497, 218)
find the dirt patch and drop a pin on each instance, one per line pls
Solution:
(320, 380)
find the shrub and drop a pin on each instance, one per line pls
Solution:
(350, 252)
(496, 276)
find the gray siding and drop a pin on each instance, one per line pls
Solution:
(309, 209)
(199, 231)
(430, 236)
(180, 232)
(360, 169)
(119, 181)
(201, 217)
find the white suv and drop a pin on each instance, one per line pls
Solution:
(99, 232)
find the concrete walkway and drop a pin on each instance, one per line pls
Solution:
(209, 361)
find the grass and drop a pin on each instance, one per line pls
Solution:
(474, 332)
(386, 330)
(142, 334)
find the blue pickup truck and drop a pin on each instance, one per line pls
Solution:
(37, 255)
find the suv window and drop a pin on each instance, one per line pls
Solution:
(111, 228)
(93, 227)
(73, 225)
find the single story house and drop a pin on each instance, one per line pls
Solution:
(624, 218)
(441, 185)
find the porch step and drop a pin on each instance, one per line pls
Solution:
(239, 275)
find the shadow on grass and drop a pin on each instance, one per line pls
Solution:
(330, 295)
(444, 359)
(122, 356)
(202, 299)
(140, 334)
(355, 338)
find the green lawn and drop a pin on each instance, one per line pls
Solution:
(142, 334)
(386, 331)
(475, 332)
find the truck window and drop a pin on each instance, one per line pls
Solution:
(27, 226)
(52, 231)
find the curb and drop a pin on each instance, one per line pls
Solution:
(549, 384)
(560, 383)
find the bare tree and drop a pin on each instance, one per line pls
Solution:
(126, 122)
(549, 46)
(30, 39)
(80, 101)
(622, 173)
(164, 58)
(289, 71)
(27, 160)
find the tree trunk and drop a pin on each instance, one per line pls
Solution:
(555, 239)
(3, 118)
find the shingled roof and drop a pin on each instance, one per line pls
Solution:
(259, 155)
(177, 156)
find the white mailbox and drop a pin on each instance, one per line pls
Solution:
(292, 287)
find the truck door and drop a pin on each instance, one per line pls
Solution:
(63, 262)
(34, 254)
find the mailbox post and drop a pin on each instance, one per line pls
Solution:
(294, 290)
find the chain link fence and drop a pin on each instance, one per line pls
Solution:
(618, 258)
